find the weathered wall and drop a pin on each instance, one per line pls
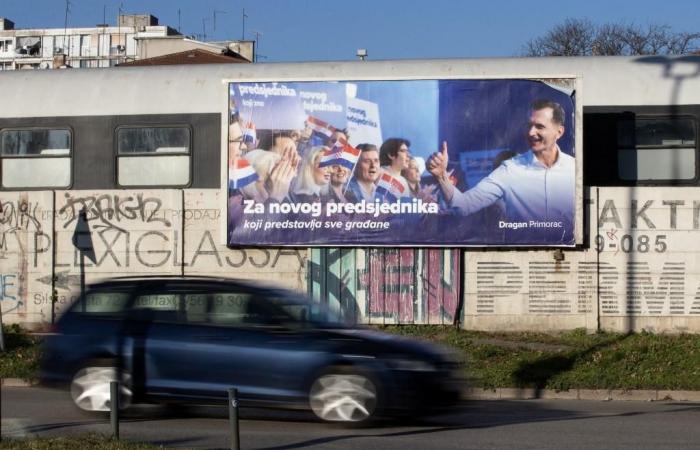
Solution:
(125, 233)
(640, 271)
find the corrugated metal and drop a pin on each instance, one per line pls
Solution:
(386, 285)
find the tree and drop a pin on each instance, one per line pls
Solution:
(581, 37)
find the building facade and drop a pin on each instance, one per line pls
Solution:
(135, 37)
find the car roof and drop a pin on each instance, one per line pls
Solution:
(134, 281)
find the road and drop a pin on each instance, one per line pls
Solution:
(528, 424)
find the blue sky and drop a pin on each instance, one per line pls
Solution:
(318, 30)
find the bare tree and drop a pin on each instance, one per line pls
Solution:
(581, 37)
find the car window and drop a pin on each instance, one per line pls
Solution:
(243, 309)
(160, 307)
(195, 305)
(106, 303)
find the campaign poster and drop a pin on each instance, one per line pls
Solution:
(401, 163)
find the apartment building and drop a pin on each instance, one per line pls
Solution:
(136, 36)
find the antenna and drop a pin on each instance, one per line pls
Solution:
(215, 13)
(257, 46)
(65, 28)
(244, 17)
(204, 28)
(179, 21)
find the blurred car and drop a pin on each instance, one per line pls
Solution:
(191, 339)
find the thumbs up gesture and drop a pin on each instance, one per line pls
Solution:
(437, 164)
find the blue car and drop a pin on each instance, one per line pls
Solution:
(190, 339)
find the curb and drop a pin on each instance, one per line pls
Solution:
(581, 394)
(603, 395)
(18, 382)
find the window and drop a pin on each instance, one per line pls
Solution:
(657, 148)
(6, 45)
(105, 303)
(33, 158)
(28, 46)
(85, 43)
(153, 156)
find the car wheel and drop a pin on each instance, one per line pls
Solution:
(343, 396)
(90, 388)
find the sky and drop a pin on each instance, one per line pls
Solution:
(329, 30)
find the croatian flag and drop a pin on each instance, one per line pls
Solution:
(321, 131)
(249, 135)
(341, 154)
(241, 175)
(389, 188)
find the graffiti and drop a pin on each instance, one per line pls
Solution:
(19, 215)
(410, 288)
(62, 280)
(111, 209)
(9, 293)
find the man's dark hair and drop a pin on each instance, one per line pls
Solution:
(391, 147)
(367, 148)
(557, 110)
(267, 138)
(342, 130)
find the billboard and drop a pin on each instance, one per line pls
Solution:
(401, 163)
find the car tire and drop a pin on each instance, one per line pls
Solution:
(344, 395)
(90, 386)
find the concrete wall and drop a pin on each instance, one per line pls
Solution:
(640, 271)
(126, 233)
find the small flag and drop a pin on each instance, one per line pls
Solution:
(321, 131)
(389, 188)
(320, 127)
(241, 175)
(341, 154)
(249, 135)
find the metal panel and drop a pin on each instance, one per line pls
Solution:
(387, 285)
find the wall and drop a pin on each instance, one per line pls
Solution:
(125, 233)
(640, 271)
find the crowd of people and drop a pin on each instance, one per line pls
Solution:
(534, 187)
(288, 166)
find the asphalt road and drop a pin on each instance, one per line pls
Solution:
(528, 424)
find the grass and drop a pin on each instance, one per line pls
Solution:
(71, 443)
(22, 353)
(571, 360)
(562, 361)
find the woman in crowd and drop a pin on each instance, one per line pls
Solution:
(312, 179)
(335, 190)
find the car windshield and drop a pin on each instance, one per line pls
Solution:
(306, 311)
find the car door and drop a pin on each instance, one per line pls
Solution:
(204, 340)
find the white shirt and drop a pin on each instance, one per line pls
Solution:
(529, 189)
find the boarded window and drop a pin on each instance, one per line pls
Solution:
(153, 156)
(657, 149)
(33, 158)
